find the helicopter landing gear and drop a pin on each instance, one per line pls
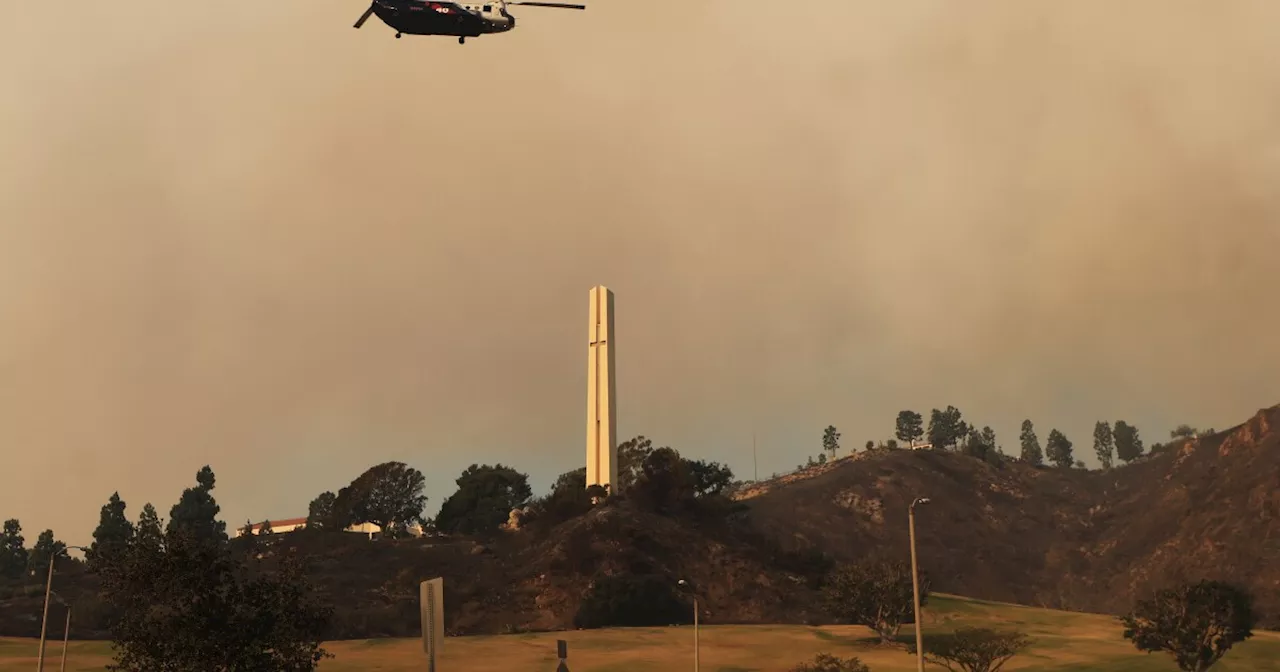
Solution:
(462, 40)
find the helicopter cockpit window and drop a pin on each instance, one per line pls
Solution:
(488, 8)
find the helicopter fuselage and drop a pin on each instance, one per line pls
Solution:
(424, 17)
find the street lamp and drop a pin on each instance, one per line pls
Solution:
(66, 631)
(915, 580)
(48, 589)
(688, 585)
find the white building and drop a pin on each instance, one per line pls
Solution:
(291, 524)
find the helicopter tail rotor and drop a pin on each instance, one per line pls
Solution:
(364, 17)
(557, 5)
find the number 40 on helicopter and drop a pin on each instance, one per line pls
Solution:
(444, 17)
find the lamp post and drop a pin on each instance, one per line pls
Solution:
(688, 585)
(44, 621)
(66, 639)
(915, 581)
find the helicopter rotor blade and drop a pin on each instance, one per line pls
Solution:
(558, 5)
(364, 17)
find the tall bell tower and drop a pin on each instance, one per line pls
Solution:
(602, 409)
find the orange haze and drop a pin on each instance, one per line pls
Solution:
(245, 234)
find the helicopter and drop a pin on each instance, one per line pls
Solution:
(444, 17)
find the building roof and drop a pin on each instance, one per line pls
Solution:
(280, 523)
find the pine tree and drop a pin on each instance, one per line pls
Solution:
(1031, 453)
(1103, 443)
(1128, 444)
(46, 549)
(910, 427)
(1058, 449)
(831, 440)
(148, 534)
(195, 514)
(113, 534)
(13, 551)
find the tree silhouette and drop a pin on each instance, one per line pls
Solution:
(909, 427)
(1031, 452)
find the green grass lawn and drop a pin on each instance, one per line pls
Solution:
(1062, 642)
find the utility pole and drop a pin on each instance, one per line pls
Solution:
(44, 621)
(66, 639)
(915, 581)
(48, 590)
(694, 592)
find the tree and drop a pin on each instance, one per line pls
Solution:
(385, 494)
(831, 440)
(946, 428)
(13, 551)
(1103, 443)
(709, 478)
(320, 513)
(870, 445)
(665, 484)
(1031, 453)
(876, 594)
(973, 649)
(910, 427)
(1184, 432)
(974, 445)
(484, 499)
(196, 513)
(569, 498)
(46, 549)
(825, 662)
(1058, 449)
(265, 528)
(1197, 623)
(184, 603)
(989, 438)
(631, 456)
(148, 533)
(631, 600)
(981, 444)
(113, 534)
(1128, 444)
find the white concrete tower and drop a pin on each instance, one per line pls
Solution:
(602, 438)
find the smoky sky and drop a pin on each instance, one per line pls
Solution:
(245, 235)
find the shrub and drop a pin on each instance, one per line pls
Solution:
(632, 600)
(825, 662)
(973, 649)
(1195, 623)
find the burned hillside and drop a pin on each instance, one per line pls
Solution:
(1203, 507)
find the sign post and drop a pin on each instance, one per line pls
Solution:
(562, 650)
(431, 603)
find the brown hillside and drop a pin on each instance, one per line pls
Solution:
(521, 581)
(1063, 539)
(1070, 539)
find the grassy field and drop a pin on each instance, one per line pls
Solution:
(1062, 642)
